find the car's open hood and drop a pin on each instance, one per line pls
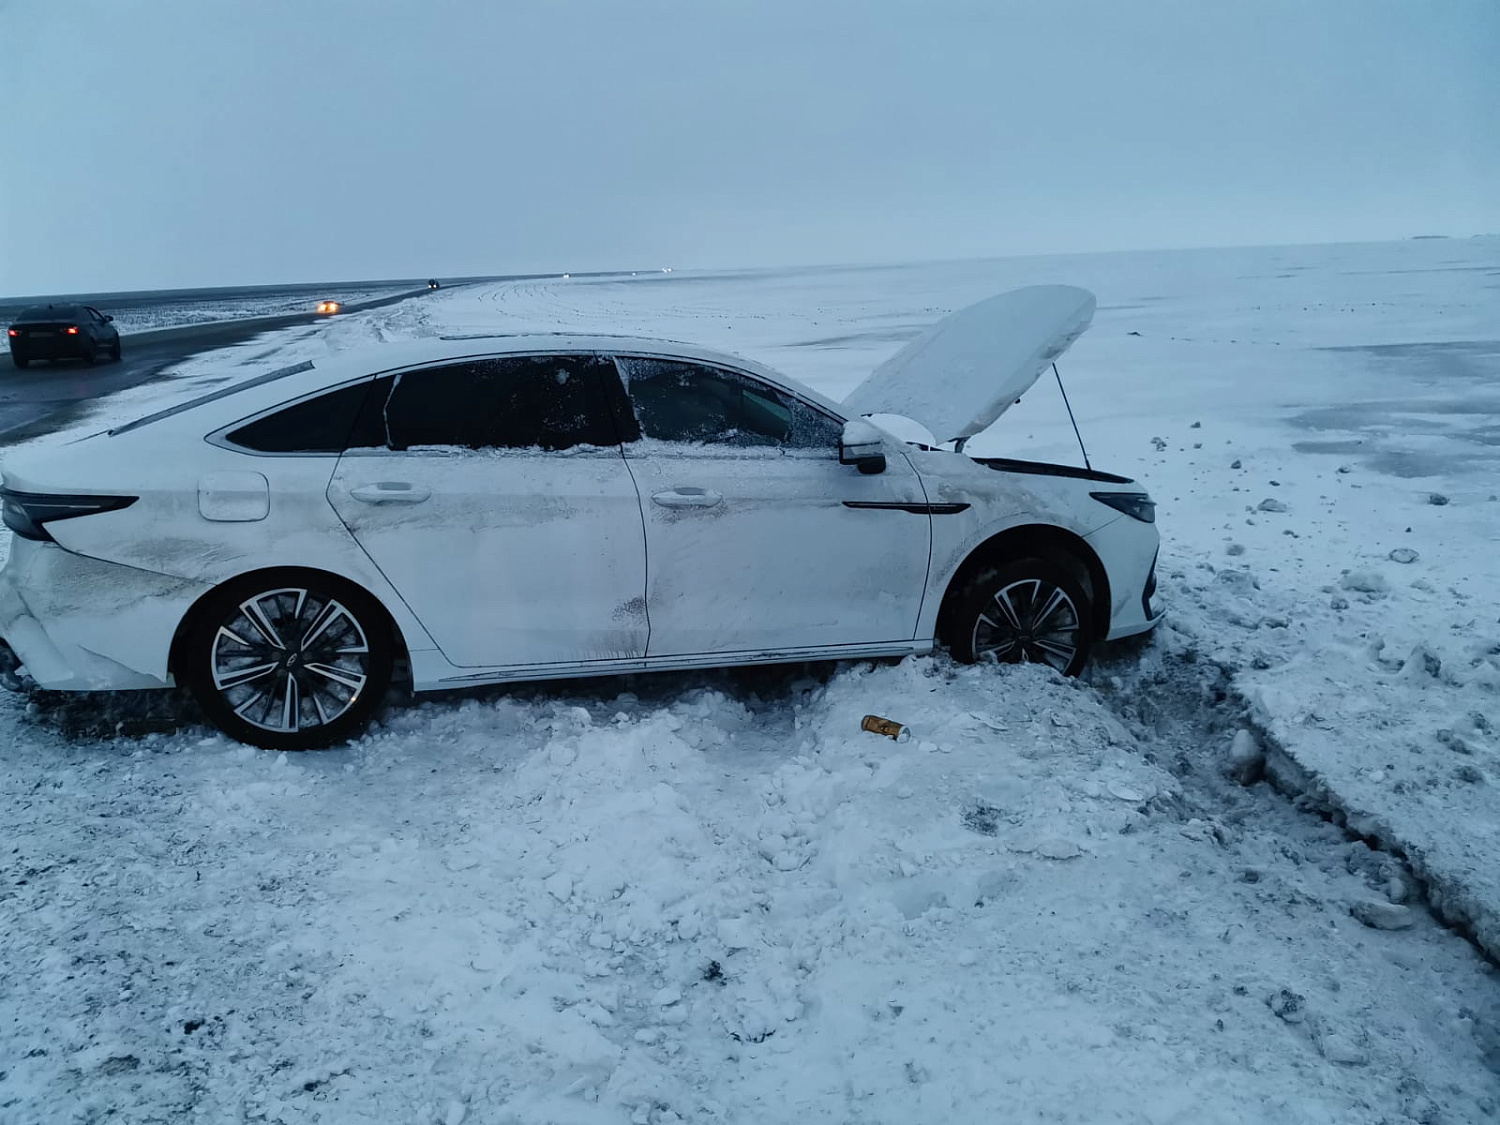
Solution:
(968, 368)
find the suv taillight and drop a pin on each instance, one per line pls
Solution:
(27, 513)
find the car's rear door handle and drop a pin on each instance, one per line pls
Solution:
(684, 497)
(391, 492)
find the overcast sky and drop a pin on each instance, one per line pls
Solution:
(164, 143)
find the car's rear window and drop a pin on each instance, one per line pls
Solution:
(322, 424)
(51, 312)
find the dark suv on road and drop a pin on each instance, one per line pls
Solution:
(62, 332)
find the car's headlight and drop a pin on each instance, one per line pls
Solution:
(1137, 505)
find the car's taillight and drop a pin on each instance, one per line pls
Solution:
(13, 332)
(72, 330)
(27, 513)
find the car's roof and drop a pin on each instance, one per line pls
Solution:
(269, 389)
(391, 357)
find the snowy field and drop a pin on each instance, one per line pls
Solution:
(713, 898)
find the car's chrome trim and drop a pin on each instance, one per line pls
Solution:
(213, 396)
(914, 509)
(678, 663)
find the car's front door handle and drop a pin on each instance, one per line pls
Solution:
(391, 492)
(683, 497)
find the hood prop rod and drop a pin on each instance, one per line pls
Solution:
(1076, 434)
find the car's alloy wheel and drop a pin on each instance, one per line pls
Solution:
(1031, 611)
(291, 666)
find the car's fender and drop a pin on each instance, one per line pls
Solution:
(995, 503)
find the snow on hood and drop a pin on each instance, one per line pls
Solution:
(968, 368)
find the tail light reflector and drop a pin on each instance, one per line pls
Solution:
(26, 513)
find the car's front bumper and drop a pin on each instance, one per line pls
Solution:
(72, 623)
(13, 675)
(1128, 548)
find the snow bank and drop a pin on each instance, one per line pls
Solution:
(703, 903)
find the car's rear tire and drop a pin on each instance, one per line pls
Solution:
(20, 361)
(288, 660)
(1032, 610)
(90, 356)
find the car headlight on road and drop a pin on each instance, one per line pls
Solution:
(1136, 505)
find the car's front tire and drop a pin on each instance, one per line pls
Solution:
(1032, 610)
(289, 660)
(114, 351)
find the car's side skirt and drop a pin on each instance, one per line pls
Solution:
(453, 678)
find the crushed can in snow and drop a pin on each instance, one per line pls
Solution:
(888, 727)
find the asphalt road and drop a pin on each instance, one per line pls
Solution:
(45, 396)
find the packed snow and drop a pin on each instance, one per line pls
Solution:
(714, 897)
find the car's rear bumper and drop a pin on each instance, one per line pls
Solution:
(71, 623)
(70, 347)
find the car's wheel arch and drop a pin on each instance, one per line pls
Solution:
(288, 575)
(1032, 540)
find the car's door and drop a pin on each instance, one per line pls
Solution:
(757, 539)
(502, 510)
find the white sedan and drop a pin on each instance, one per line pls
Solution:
(483, 510)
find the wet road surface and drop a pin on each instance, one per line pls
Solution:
(45, 395)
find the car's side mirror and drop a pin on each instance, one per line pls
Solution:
(108, 317)
(863, 446)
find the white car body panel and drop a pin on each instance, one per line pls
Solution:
(1004, 501)
(971, 367)
(775, 560)
(611, 582)
(546, 549)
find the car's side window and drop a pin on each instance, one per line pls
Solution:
(696, 403)
(327, 423)
(549, 402)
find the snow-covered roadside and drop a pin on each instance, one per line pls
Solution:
(712, 901)
(1048, 906)
(1305, 416)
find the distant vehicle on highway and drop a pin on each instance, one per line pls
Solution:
(432, 283)
(328, 308)
(62, 332)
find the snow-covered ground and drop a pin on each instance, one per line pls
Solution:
(715, 898)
